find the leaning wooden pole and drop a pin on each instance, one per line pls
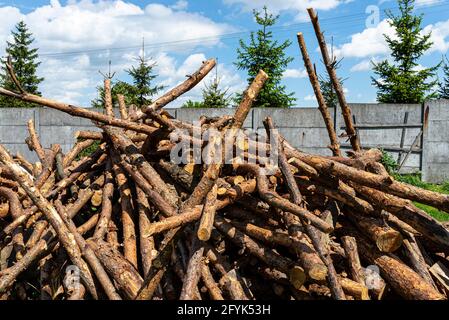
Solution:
(322, 106)
(346, 111)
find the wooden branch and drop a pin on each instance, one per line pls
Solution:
(89, 254)
(330, 67)
(80, 112)
(174, 93)
(208, 215)
(402, 279)
(386, 238)
(15, 206)
(64, 235)
(379, 182)
(125, 144)
(108, 109)
(127, 216)
(12, 74)
(413, 253)
(281, 203)
(352, 255)
(75, 151)
(106, 208)
(193, 272)
(34, 143)
(122, 107)
(121, 270)
(214, 291)
(322, 106)
(147, 246)
(296, 273)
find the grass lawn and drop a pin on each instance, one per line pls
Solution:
(415, 179)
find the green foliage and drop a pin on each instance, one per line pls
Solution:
(267, 54)
(388, 162)
(193, 104)
(119, 87)
(414, 179)
(138, 93)
(327, 89)
(214, 97)
(25, 64)
(443, 90)
(143, 77)
(402, 82)
(88, 151)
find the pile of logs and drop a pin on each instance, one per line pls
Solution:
(127, 222)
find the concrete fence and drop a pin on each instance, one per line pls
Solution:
(378, 125)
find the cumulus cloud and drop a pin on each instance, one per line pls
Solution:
(180, 5)
(174, 73)
(310, 97)
(295, 73)
(296, 7)
(425, 3)
(440, 36)
(72, 38)
(371, 42)
(368, 43)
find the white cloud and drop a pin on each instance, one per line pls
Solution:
(426, 3)
(180, 5)
(310, 97)
(82, 29)
(298, 7)
(440, 35)
(371, 42)
(174, 73)
(368, 43)
(364, 65)
(295, 73)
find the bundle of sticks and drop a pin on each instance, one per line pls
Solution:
(128, 222)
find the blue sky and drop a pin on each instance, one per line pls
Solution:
(76, 39)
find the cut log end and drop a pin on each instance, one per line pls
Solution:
(203, 234)
(389, 241)
(297, 277)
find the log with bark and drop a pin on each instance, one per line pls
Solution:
(141, 218)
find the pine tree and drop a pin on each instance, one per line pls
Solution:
(25, 64)
(265, 53)
(214, 97)
(443, 91)
(402, 82)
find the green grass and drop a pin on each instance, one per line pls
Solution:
(415, 180)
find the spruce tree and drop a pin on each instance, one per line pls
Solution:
(192, 104)
(143, 77)
(401, 81)
(25, 63)
(267, 54)
(214, 97)
(443, 90)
